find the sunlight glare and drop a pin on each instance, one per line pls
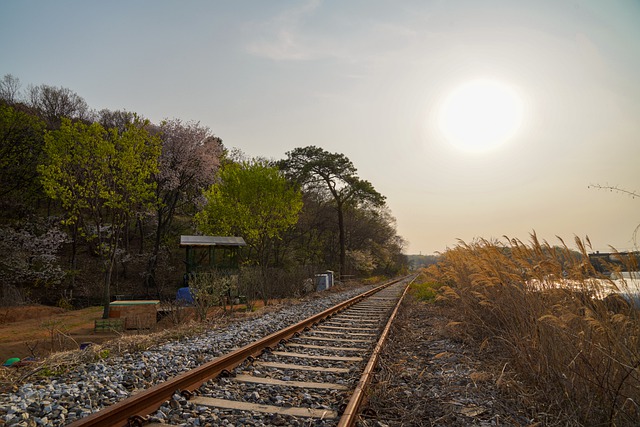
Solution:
(480, 115)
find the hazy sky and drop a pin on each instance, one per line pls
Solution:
(367, 79)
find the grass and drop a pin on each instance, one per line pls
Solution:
(569, 349)
(424, 290)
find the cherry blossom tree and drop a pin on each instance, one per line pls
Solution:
(188, 165)
(29, 257)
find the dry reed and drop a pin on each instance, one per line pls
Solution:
(544, 307)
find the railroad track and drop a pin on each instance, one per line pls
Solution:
(312, 373)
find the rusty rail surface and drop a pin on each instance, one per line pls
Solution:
(149, 400)
(350, 413)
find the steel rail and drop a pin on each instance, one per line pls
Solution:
(351, 411)
(149, 400)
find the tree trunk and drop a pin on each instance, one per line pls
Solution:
(74, 254)
(343, 251)
(106, 295)
(108, 269)
(139, 221)
(153, 260)
(164, 219)
(150, 278)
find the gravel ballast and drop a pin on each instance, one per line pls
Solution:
(57, 400)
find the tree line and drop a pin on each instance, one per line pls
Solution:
(93, 203)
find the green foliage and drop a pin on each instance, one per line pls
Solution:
(99, 174)
(252, 200)
(255, 201)
(124, 201)
(373, 280)
(101, 177)
(75, 172)
(64, 303)
(21, 137)
(316, 168)
(48, 371)
(425, 291)
(209, 290)
(333, 176)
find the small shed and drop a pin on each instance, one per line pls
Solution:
(135, 314)
(207, 253)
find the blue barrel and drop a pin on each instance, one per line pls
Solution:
(185, 296)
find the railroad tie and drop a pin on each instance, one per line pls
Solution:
(267, 409)
(345, 328)
(348, 334)
(313, 356)
(318, 338)
(299, 384)
(325, 347)
(292, 366)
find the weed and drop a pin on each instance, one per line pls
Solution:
(373, 280)
(49, 371)
(544, 307)
(64, 303)
(425, 291)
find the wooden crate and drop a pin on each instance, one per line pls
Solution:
(136, 314)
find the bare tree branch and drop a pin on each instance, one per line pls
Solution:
(615, 188)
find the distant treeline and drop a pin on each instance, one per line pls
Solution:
(93, 203)
(422, 261)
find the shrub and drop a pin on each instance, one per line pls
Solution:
(425, 291)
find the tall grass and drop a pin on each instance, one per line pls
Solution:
(544, 307)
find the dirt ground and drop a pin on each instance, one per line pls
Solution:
(429, 377)
(38, 330)
(35, 331)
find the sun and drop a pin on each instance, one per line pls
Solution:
(481, 115)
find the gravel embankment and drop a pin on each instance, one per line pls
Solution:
(427, 377)
(58, 400)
